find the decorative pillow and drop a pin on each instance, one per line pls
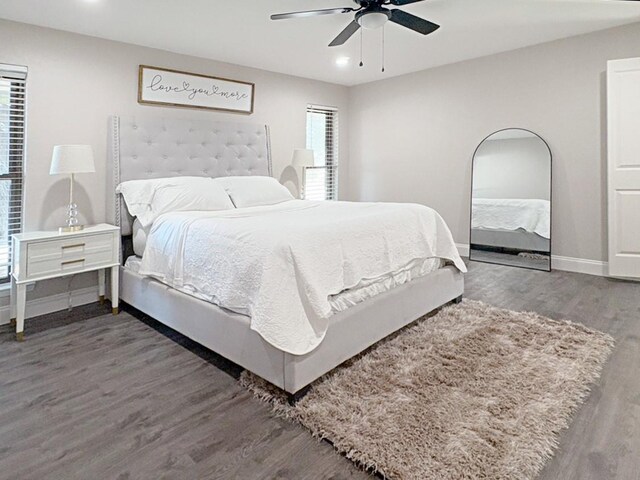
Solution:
(252, 191)
(148, 199)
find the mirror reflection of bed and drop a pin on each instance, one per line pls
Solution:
(511, 200)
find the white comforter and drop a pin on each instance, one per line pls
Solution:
(531, 215)
(279, 264)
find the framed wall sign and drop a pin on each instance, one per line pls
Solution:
(161, 86)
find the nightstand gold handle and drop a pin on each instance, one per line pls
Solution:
(77, 245)
(72, 261)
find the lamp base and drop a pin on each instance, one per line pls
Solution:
(75, 228)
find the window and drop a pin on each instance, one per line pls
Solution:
(322, 137)
(13, 85)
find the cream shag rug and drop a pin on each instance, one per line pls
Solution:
(471, 392)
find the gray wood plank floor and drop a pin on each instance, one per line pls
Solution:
(89, 395)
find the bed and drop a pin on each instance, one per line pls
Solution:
(513, 224)
(144, 148)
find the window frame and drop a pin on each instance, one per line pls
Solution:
(331, 115)
(16, 76)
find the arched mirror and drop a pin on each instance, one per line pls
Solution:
(511, 200)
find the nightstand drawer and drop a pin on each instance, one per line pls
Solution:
(61, 256)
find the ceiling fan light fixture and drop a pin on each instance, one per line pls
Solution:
(371, 14)
(373, 20)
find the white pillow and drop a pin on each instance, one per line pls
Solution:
(139, 235)
(251, 191)
(148, 199)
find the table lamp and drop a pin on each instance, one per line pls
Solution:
(303, 157)
(69, 160)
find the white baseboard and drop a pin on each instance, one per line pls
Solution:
(53, 303)
(463, 249)
(580, 265)
(566, 264)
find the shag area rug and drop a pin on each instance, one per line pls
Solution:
(472, 392)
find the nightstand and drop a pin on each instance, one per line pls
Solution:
(45, 255)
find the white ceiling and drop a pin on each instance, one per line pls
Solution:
(240, 31)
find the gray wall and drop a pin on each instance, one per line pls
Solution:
(512, 168)
(75, 82)
(409, 138)
(412, 137)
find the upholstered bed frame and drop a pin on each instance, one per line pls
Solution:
(155, 148)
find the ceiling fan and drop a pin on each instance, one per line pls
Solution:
(370, 14)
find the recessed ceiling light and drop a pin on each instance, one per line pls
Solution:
(342, 61)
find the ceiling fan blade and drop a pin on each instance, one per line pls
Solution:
(417, 24)
(403, 2)
(311, 13)
(345, 35)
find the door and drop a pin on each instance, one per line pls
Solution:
(623, 182)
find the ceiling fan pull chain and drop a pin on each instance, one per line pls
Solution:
(361, 64)
(383, 49)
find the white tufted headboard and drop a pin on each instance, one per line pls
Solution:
(160, 147)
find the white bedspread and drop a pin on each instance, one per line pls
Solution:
(279, 264)
(365, 290)
(532, 215)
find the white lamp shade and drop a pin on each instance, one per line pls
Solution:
(72, 159)
(302, 157)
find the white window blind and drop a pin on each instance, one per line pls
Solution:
(13, 92)
(322, 137)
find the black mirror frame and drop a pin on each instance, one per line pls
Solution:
(550, 198)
